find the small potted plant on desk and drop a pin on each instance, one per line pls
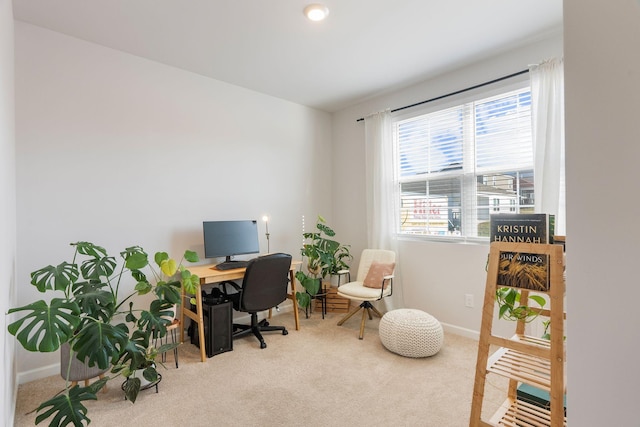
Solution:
(87, 314)
(325, 257)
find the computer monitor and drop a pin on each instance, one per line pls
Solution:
(230, 238)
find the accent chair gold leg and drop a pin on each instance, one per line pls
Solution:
(376, 311)
(348, 316)
(365, 312)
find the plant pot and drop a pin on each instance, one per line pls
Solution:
(79, 371)
(143, 381)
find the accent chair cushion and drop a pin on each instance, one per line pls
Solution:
(376, 272)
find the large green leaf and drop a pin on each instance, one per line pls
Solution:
(67, 408)
(100, 343)
(136, 260)
(154, 321)
(94, 301)
(94, 268)
(143, 287)
(325, 229)
(55, 278)
(45, 326)
(133, 384)
(190, 282)
(134, 353)
(131, 388)
(310, 284)
(139, 276)
(88, 248)
(303, 298)
(191, 256)
(159, 257)
(327, 246)
(309, 251)
(169, 291)
(169, 267)
(150, 374)
(540, 300)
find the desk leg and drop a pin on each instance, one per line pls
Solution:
(182, 324)
(197, 317)
(292, 296)
(200, 314)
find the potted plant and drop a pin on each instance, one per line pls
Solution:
(325, 257)
(87, 312)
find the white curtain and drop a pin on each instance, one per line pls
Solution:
(381, 192)
(547, 100)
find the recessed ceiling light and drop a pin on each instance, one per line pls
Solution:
(316, 12)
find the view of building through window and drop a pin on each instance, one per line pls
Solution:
(459, 165)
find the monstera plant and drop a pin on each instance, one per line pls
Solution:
(325, 256)
(101, 328)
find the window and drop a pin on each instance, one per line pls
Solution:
(459, 165)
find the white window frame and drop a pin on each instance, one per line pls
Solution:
(468, 185)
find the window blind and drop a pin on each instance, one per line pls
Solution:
(459, 165)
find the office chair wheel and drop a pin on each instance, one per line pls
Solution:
(263, 344)
(285, 332)
(265, 323)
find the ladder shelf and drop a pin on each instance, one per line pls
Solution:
(523, 359)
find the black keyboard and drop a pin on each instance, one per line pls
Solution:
(231, 265)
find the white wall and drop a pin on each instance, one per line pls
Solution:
(435, 276)
(119, 150)
(7, 213)
(602, 69)
(602, 76)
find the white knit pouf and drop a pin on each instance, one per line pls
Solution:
(412, 333)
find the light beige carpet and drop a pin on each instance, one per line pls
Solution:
(321, 375)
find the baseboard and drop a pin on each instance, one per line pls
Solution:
(241, 317)
(469, 333)
(54, 369)
(38, 374)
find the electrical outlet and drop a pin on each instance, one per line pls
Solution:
(468, 300)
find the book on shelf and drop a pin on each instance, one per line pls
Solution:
(522, 228)
(535, 396)
(522, 270)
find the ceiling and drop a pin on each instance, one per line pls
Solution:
(364, 47)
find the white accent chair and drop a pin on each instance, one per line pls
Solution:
(361, 290)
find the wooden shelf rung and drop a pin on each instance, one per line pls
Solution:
(523, 344)
(517, 413)
(521, 367)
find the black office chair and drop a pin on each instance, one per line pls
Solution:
(264, 286)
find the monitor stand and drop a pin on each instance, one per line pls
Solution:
(230, 264)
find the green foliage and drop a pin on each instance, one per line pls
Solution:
(311, 286)
(546, 324)
(57, 278)
(45, 327)
(67, 408)
(324, 256)
(511, 308)
(88, 314)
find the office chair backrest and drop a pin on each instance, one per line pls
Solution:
(265, 282)
(370, 255)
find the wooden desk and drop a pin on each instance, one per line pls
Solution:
(209, 275)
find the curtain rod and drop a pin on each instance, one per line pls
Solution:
(456, 92)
